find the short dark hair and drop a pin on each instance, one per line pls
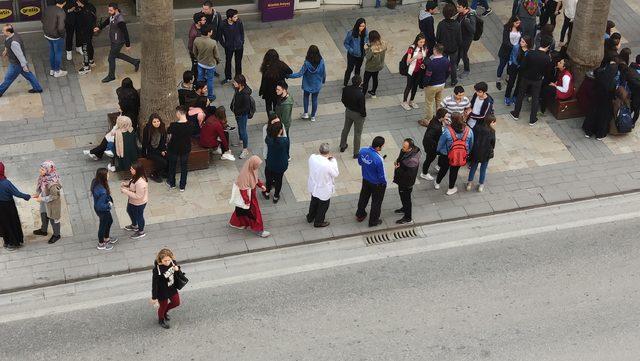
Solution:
(616, 36)
(439, 48)
(113, 5)
(546, 41)
(463, 3)
(199, 84)
(356, 80)
(638, 59)
(431, 5)
(449, 11)
(205, 30)
(282, 84)
(378, 142)
(481, 87)
(207, 3)
(458, 89)
(181, 109)
(231, 13)
(187, 76)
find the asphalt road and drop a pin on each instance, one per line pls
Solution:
(565, 295)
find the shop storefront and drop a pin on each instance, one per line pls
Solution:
(13, 11)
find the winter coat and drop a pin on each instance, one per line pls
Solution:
(269, 81)
(54, 203)
(232, 35)
(162, 282)
(484, 142)
(312, 77)
(146, 142)
(241, 103)
(53, 22)
(353, 44)
(101, 199)
(506, 47)
(405, 175)
(431, 136)
(277, 154)
(374, 57)
(528, 22)
(426, 26)
(284, 109)
(450, 35)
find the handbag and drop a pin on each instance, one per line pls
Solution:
(179, 279)
(236, 198)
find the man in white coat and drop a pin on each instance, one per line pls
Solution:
(323, 169)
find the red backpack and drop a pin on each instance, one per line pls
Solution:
(458, 153)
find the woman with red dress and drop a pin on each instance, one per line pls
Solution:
(246, 183)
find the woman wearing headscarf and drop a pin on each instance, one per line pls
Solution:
(129, 101)
(10, 227)
(247, 215)
(48, 191)
(126, 146)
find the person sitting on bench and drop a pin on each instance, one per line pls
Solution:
(562, 88)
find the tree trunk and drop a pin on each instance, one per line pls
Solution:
(158, 88)
(586, 47)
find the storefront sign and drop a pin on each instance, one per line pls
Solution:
(273, 10)
(6, 11)
(30, 10)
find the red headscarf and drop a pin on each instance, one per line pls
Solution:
(2, 177)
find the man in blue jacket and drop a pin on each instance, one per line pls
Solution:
(374, 182)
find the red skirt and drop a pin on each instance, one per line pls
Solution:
(249, 218)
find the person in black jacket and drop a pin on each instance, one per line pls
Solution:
(534, 65)
(85, 22)
(354, 115)
(232, 40)
(273, 71)
(633, 80)
(404, 175)
(241, 107)
(510, 38)
(129, 101)
(164, 294)
(154, 146)
(430, 141)
(596, 123)
(484, 141)
(71, 27)
(179, 148)
(426, 23)
(449, 34)
(119, 37)
(467, 21)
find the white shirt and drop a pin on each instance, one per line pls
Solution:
(565, 84)
(570, 8)
(514, 37)
(414, 61)
(322, 174)
(477, 106)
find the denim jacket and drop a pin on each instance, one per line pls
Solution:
(353, 44)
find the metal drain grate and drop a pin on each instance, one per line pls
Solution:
(389, 237)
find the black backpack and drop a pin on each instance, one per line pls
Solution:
(479, 27)
(403, 67)
(624, 120)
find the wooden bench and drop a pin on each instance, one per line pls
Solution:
(198, 159)
(564, 109)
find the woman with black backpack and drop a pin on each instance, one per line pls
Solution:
(453, 150)
(415, 60)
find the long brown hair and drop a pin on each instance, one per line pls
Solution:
(139, 168)
(165, 252)
(101, 179)
(162, 128)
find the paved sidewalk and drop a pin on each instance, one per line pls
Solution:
(546, 164)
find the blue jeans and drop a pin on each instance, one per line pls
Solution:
(106, 220)
(242, 129)
(56, 47)
(136, 214)
(378, 3)
(502, 65)
(483, 3)
(314, 103)
(12, 73)
(483, 171)
(208, 74)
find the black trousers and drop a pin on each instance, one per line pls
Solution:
(317, 210)
(430, 156)
(353, 65)
(464, 54)
(270, 105)
(159, 163)
(228, 54)
(172, 162)
(98, 151)
(405, 198)
(365, 81)
(68, 40)
(453, 59)
(376, 193)
(533, 88)
(116, 53)
(546, 94)
(273, 179)
(194, 65)
(443, 162)
(549, 13)
(567, 27)
(512, 72)
(411, 87)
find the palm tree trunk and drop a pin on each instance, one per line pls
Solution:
(586, 47)
(158, 88)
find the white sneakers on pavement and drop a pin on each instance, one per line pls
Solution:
(108, 153)
(69, 55)
(245, 153)
(79, 50)
(406, 106)
(426, 176)
(90, 155)
(59, 73)
(452, 191)
(413, 105)
(228, 156)
(436, 185)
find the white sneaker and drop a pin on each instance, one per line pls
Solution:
(111, 168)
(427, 176)
(244, 154)
(264, 234)
(79, 50)
(51, 72)
(69, 55)
(452, 191)
(437, 168)
(228, 156)
(90, 155)
(60, 73)
(217, 151)
(481, 188)
(108, 153)
(469, 186)
(304, 116)
(84, 70)
(313, 119)
(436, 185)
(405, 106)
(414, 105)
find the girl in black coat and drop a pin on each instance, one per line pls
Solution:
(510, 37)
(154, 146)
(484, 141)
(430, 141)
(406, 170)
(129, 101)
(164, 293)
(273, 71)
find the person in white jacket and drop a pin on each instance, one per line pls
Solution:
(323, 170)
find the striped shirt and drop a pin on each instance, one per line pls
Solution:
(452, 106)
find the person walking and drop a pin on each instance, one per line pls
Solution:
(569, 12)
(323, 170)
(102, 205)
(247, 213)
(449, 34)
(510, 37)
(179, 148)
(205, 50)
(435, 78)
(374, 182)
(374, 55)
(467, 20)
(10, 221)
(430, 141)
(126, 145)
(314, 75)
(426, 23)
(354, 43)
(528, 12)
(53, 27)
(453, 148)
(137, 190)
(241, 106)
(18, 65)
(355, 115)
(416, 59)
(85, 21)
(232, 40)
(48, 191)
(277, 160)
(119, 38)
(484, 142)
(404, 175)
(273, 71)
(284, 105)
(154, 146)
(481, 105)
(129, 101)
(517, 56)
(164, 294)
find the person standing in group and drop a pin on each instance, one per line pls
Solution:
(85, 21)
(323, 170)
(273, 72)
(241, 106)
(71, 28)
(247, 213)
(374, 182)
(102, 205)
(456, 103)
(277, 160)
(545, 31)
(355, 115)
(528, 12)
(426, 23)
(569, 12)
(129, 101)
(10, 220)
(481, 105)
(518, 53)
(179, 148)
(467, 20)
(212, 18)
(416, 59)
(154, 146)
(510, 37)
(435, 78)
(534, 66)
(137, 190)
(164, 294)
(405, 173)
(597, 121)
(48, 191)
(53, 27)
(18, 65)
(125, 139)
(374, 55)
(205, 50)
(119, 37)
(284, 105)
(430, 140)
(484, 141)
(232, 40)
(550, 9)
(314, 75)
(449, 35)
(354, 43)
(453, 148)
(186, 92)
(199, 22)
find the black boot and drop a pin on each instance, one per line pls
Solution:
(53, 239)
(164, 325)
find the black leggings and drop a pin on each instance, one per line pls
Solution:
(443, 162)
(270, 104)
(365, 82)
(412, 87)
(567, 27)
(512, 71)
(430, 156)
(275, 179)
(353, 65)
